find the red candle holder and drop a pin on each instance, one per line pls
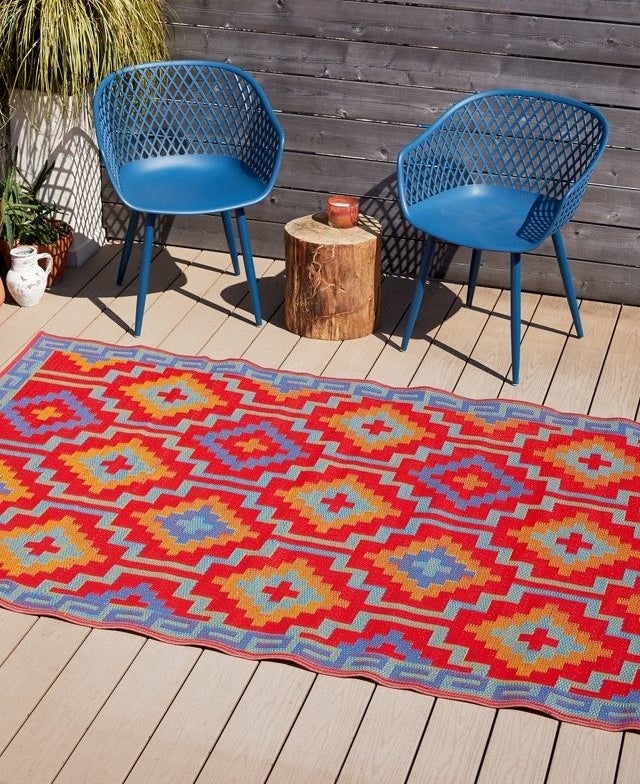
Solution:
(342, 211)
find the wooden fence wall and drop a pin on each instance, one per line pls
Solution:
(353, 79)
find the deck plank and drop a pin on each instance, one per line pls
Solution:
(180, 746)
(25, 323)
(584, 754)
(519, 749)
(31, 669)
(47, 738)
(13, 628)
(120, 731)
(208, 309)
(540, 351)
(618, 389)
(576, 377)
(445, 361)
(119, 312)
(387, 740)
(310, 356)
(397, 368)
(320, 738)
(239, 330)
(453, 746)
(488, 367)
(192, 281)
(78, 313)
(248, 748)
(354, 358)
(629, 763)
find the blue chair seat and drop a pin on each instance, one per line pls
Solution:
(189, 184)
(486, 216)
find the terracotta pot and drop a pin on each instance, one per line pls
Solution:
(59, 250)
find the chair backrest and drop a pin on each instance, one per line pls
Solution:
(532, 141)
(186, 107)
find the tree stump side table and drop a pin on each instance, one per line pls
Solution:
(332, 288)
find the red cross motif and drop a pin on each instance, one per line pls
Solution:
(172, 395)
(574, 543)
(595, 461)
(283, 590)
(538, 639)
(119, 463)
(376, 427)
(45, 545)
(337, 503)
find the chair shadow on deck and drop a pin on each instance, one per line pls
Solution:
(236, 296)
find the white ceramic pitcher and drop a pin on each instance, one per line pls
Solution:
(26, 279)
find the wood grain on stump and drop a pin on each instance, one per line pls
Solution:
(332, 289)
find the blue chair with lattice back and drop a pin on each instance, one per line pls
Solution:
(187, 138)
(502, 170)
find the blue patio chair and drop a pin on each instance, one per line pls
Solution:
(187, 138)
(502, 170)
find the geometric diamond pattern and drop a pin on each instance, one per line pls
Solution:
(484, 550)
(537, 642)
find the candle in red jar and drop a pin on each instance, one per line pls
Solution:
(342, 211)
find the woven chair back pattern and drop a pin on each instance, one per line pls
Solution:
(187, 108)
(536, 142)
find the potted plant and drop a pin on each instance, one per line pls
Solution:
(66, 47)
(53, 54)
(28, 219)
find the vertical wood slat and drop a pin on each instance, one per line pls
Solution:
(532, 35)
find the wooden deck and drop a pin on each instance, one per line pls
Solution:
(95, 706)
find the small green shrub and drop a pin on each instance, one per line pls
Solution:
(25, 218)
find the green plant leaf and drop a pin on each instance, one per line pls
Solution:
(65, 47)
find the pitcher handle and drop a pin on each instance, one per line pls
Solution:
(49, 265)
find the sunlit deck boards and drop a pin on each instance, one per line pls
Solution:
(80, 705)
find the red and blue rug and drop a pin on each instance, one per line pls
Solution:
(482, 550)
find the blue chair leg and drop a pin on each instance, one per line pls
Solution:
(128, 244)
(473, 275)
(145, 267)
(247, 257)
(231, 240)
(567, 281)
(418, 292)
(516, 316)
